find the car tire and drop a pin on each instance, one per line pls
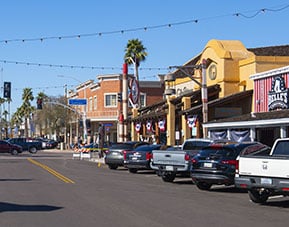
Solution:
(132, 170)
(14, 152)
(168, 177)
(33, 150)
(203, 186)
(258, 196)
(111, 166)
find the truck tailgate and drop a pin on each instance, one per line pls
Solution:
(164, 157)
(267, 167)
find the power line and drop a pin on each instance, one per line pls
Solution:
(248, 14)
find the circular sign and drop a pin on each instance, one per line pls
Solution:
(134, 91)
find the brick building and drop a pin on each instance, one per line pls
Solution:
(103, 107)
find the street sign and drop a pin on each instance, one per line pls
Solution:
(77, 102)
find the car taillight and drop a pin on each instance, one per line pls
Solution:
(194, 161)
(148, 156)
(187, 157)
(230, 162)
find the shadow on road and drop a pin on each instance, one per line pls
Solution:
(12, 207)
(15, 179)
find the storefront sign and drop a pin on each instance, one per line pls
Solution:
(278, 96)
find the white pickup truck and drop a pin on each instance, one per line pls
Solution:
(264, 175)
(168, 163)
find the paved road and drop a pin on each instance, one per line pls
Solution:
(52, 189)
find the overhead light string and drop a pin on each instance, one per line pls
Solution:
(168, 25)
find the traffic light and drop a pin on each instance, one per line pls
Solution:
(39, 103)
(119, 97)
(7, 90)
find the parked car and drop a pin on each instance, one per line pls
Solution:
(140, 157)
(175, 161)
(6, 147)
(114, 154)
(51, 144)
(27, 144)
(216, 164)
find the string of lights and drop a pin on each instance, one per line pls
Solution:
(77, 66)
(46, 87)
(248, 14)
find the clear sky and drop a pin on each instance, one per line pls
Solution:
(79, 24)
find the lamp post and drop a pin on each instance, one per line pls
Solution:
(84, 111)
(203, 85)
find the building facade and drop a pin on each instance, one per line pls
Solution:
(229, 94)
(105, 105)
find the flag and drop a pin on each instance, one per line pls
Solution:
(162, 124)
(137, 127)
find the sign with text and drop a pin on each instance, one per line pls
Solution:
(77, 102)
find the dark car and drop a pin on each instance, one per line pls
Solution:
(6, 147)
(51, 144)
(216, 164)
(114, 154)
(27, 144)
(140, 157)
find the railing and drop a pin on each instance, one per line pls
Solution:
(102, 114)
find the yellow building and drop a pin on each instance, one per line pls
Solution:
(229, 65)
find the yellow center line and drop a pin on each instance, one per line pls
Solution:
(53, 172)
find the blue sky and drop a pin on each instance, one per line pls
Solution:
(166, 45)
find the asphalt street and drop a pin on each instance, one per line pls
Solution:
(53, 189)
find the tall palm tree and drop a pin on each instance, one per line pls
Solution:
(135, 53)
(26, 109)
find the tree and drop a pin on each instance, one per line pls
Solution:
(135, 53)
(26, 109)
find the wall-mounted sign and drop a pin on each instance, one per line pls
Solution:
(278, 96)
(134, 91)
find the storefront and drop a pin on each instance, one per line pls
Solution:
(270, 118)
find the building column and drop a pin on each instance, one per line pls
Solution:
(253, 134)
(186, 132)
(134, 134)
(283, 132)
(171, 123)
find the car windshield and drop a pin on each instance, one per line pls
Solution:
(224, 152)
(195, 145)
(121, 146)
(147, 148)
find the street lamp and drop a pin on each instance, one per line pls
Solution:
(203, 85)
(84, 111)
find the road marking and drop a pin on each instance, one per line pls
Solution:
(53, 172)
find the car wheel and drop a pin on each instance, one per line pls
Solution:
(168, 177)
(111, 166)
(32, 150)
(132, 170)
(203, 185)
(14, 152)
(258, 196)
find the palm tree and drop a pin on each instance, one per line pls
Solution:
(135, 53)
(26, 109)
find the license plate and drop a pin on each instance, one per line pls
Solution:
(169, 168)
(266, 181)
(114, 153)
(208, 164)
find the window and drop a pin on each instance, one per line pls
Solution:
(143, 100)
(95, 102)
(110, 100)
